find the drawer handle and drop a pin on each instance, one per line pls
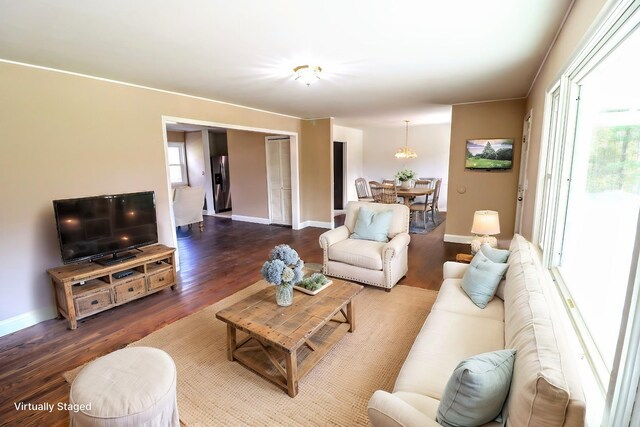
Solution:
(130, 289)
(161, 279)
(94, 302)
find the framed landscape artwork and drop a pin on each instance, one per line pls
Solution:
(489, 154)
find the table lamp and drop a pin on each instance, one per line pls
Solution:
(485, 224)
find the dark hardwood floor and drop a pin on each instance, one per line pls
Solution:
(214, 264)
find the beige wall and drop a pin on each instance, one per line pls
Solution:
(248, 172)
(316, 174)
(470, 191)
(67, 136)
(194, 149)
(579, 21)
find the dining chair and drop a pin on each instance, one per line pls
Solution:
(426, 206)
(389, 182)
(432, 181)
(421, 202)
(383, 193)
(362, 189)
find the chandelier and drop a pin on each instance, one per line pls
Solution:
(308, 74)
(406, 152)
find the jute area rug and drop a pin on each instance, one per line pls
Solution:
(215, 392)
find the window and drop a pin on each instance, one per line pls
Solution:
(588, 214)
(177, 164)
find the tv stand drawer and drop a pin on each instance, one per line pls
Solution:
(95, 302)
(130, 290)
(161, 279)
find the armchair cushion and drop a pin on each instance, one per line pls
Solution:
(372, 225)
(361, 253)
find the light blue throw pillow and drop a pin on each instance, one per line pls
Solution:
(481, 279)
(372, 225)
(477, 390)
(494, 254)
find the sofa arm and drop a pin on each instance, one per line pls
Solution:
(395, 245)
(387, 410)
(454, 270)
(336, 235)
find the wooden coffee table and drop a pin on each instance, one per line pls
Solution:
(282, 344)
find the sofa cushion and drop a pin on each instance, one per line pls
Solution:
(481, 279)
(520, 251)
(539, 389)
(452, 298)
(500, 289)
(372, 225)
(477, 389)
(445, 340)
(494, 254)
(361, 253)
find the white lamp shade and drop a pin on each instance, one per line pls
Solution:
(485, 223)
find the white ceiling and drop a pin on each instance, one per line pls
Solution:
(382, 61)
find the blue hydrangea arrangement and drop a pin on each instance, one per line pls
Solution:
(284, 266)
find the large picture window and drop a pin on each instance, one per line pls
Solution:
(589, 188)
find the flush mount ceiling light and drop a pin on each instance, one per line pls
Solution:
(307, 74)
(406, 152)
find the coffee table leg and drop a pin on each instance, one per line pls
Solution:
(292, 373)
(351, 316)
(231, 341)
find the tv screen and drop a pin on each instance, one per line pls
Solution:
(93, 227)
(489, 154)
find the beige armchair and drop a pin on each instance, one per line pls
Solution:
(374, 263)
(187, 206)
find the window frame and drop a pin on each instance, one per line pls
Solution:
(620, 387)
(183, 164)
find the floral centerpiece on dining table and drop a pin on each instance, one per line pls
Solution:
(406, 177)
(283, 269)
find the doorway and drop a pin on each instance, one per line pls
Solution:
(522, 181)
(338, 174)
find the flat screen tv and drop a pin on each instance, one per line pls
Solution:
(90, 228)
(489, 154)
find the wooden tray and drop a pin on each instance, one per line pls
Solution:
(308, 292)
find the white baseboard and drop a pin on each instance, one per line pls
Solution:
(21, 321)
(452, 238)
(254, 219)
(318, 224)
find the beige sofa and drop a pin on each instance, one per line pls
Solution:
(374, 263)
(544, 390)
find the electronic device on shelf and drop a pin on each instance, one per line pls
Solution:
(122, 274)
(91, 228)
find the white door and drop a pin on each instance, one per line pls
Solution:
(279, 179)
(522, 181)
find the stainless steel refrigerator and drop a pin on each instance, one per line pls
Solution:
(221, 183)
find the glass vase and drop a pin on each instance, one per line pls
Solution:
(284, 295)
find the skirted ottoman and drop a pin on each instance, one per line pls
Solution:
(135, 386)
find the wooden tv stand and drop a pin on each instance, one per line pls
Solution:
(85, 289)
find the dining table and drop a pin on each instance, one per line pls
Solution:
(408, 193)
